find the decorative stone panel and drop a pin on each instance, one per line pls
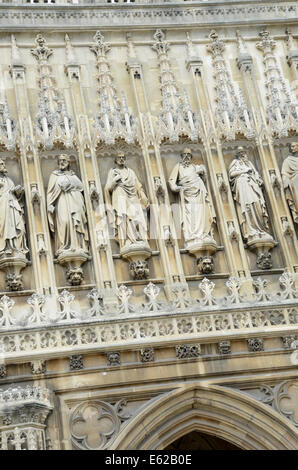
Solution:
(187, 351)
(255, 344)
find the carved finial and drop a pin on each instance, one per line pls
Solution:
(15, 53)
(100, 48)
(161, 46)
(216, 47)
(267, 42)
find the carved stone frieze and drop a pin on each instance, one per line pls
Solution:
(166, 15)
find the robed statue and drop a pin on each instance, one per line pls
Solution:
(246, 185)
(66, 209)
(126, 203)
(196, 211)
(289, 174)
(12, 223)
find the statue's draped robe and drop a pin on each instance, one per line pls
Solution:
(126, 204)
(195, 209)
(250, 202)
(12, 225)
(290, 180)
(69, 221)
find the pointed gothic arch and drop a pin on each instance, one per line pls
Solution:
(219, 411)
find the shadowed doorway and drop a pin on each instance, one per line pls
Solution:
(200, 441)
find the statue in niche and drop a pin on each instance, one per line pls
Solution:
(197, 216)
(12, 224)
(67, 219)
(246, 184)
(289, 174)
(127, 203)
(13, 246)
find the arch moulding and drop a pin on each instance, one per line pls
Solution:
(220, 411)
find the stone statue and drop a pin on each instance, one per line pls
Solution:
(66, 209)
(246, 185)
(13, 246)
(289, 174)
(12, 224)
(125, 196)
(196, 211)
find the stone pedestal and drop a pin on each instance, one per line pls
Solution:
(13, 264)
(261, 247)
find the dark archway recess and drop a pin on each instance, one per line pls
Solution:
(200, 441)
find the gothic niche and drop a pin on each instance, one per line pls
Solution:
(126, 206)
(196, 213)
(246, 185)
(289, 174)
(13, 245)
(68, 220)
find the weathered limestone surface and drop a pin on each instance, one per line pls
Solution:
(148, 298)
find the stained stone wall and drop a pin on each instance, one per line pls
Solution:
(115, 333)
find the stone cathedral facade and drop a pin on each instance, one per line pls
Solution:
(148, 224)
